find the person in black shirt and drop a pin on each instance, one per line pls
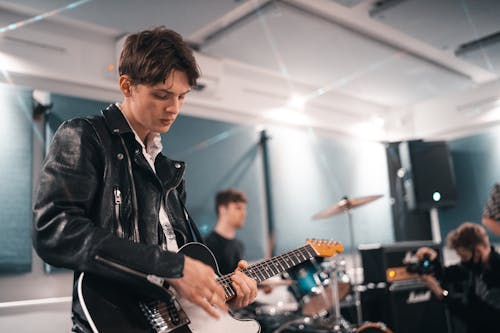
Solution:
(478, 306)
(231, 209)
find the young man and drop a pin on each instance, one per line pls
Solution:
(231, 209)
(491, 211)
(479, 306)
(110, 203)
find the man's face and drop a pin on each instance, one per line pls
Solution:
(464, 254)
(235, 213)
(155, 108)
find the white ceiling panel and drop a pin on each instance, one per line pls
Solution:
(287, 40)
(123, 16)
(446, 24)
(487, 57)
(348, 3)
(403, 80)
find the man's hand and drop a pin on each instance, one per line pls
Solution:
(245, 287)
(198, 285)
(421, 252)
(431, 282)
(491, 224)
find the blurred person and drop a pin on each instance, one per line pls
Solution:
(491, 211)
(479, 273)
(231, 209)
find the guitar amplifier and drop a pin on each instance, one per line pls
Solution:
(414, 309)
(384, 262)
(404, 307)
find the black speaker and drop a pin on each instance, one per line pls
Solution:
(375, 305)
(428, 174)
(409, 224)
(414, 309)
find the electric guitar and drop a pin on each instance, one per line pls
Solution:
(111, 308)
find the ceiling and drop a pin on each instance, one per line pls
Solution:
(384, 70)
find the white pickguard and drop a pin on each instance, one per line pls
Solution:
(202, 322)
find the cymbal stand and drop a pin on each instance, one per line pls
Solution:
(339, 324)
(355, 284)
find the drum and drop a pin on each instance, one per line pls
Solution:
(370, 327)
(308, 277)
(313, 288)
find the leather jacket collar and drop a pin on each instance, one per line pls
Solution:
(116, 120)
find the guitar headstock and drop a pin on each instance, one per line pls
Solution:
(326, 248)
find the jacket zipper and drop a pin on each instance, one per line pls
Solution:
(118, 204)
(135, 208)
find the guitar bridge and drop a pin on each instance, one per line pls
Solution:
(164, 317)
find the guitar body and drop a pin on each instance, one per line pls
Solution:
(112, 308)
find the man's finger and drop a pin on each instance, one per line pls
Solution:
(212, 311)
(243, 289)
(207, 307)
(242, 264)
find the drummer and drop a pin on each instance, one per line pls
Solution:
(231, 210)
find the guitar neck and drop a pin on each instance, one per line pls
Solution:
(270, 267)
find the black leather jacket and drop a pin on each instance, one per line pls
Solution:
(98, 197)
(478, 304)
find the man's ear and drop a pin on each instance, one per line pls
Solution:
(125, 85)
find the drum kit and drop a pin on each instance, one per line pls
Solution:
(317, 289)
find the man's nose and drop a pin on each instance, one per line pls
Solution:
(173, 106)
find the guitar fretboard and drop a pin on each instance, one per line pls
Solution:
(269, 267)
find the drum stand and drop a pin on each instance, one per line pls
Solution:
(355, 284)
(339, 324)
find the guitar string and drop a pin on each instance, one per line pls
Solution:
(300, 255)
(276, 260)
(254, 272)
(259, 266)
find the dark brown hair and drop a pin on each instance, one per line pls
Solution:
(468, 235)
(149, 56)
(223, 198)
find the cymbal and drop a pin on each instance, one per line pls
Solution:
(345, 205)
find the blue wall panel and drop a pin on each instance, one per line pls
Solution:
(310, 172)
(476, 162)
(15, 179)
